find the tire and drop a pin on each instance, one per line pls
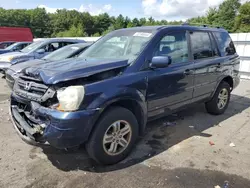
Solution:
(96, 147)
(213, 105)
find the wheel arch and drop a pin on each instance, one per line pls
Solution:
(227, 79)
(138, 108)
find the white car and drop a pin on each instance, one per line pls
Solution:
(36, 50)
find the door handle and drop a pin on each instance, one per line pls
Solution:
(188, 72)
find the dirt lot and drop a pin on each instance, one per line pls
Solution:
(174, 155)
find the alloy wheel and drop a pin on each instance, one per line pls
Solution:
(117, 137)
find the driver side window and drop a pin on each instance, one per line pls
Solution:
(174, 45)
(51, 47)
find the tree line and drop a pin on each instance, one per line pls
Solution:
(230, 14)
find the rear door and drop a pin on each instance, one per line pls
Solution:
(230, 62)
(207, 63)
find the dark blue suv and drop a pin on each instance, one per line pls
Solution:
(105, 97)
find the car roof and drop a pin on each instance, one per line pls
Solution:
(22, 42)
(177, 27)
(60, 40)
(80, 44)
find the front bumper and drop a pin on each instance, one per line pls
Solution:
(4, 66)
(59, 129)
(10, 78)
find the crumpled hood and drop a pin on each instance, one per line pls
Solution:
(74, 68)
(21, 66)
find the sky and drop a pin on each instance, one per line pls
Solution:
(158, 9)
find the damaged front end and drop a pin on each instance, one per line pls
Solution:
(36, 119)
(28, 94)
(42, 112)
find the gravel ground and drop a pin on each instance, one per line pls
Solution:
(173, 155)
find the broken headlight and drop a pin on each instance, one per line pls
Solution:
(70, 98)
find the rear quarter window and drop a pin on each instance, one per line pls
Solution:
(225, 43)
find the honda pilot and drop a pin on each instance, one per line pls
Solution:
(105, 97)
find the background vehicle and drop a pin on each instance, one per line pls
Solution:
(36, 50)
(17, 34)
(17, 46)
(104, 98)
(4, 45)
(69, 51)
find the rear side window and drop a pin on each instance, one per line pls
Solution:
(225, 43)
(201, 45)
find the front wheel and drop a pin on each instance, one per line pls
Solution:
(219, 103)
(114, 136)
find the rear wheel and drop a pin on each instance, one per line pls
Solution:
(114, 136)
(219, 103)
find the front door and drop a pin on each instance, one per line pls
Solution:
(171, 87)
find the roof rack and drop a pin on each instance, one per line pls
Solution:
(199, 24)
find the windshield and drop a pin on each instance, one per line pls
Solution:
(121, 44)
(11, 46)
(62, 53)
(31, 47)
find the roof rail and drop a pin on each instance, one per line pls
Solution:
(200, 24)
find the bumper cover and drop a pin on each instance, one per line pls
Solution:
(4, 66)
(59, 129)
(11, 76)
(236, 81)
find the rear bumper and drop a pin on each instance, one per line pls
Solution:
(59, 129)
(236, 82)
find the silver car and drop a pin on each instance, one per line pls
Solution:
(69, 51)
(36, 50)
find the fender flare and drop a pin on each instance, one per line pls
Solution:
(133, 95)
(218, 83)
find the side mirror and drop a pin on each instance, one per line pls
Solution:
(40, 51)
(160, 62)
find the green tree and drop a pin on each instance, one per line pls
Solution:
(242, 21)
(143, 21)
(119, 22)
(227, 13)
(150, 21)
(96, 35)
(200, 20)
(73, 32)
(130, 24)
(212, 16)
(127, 22)
(136, 22)
(163, 22)
(111, 28)
(73, 23)
(40, 22)
(101, 23)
